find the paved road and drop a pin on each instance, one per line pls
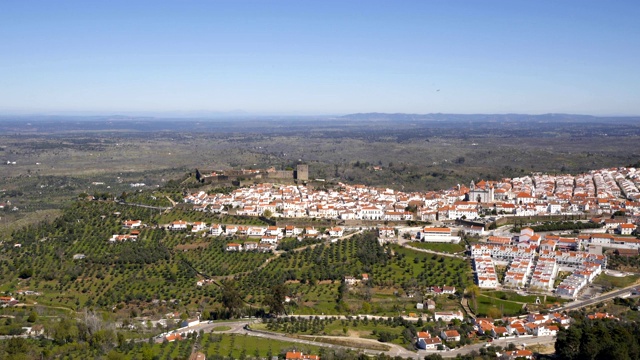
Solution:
(528, 341)
(240, 327)
(604, 297)
(343, 317)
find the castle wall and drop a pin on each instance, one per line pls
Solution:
(281, 174)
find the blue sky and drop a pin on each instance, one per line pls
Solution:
(320, 57)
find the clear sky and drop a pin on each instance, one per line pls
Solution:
(320, 57)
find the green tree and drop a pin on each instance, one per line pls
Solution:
(33, 316)
(114, 355)
(231, 298)
(15, 346)
(366, 308)
(433, 357)
(275, 299)
(568, 343)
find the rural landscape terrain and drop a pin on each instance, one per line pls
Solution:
(131, 237)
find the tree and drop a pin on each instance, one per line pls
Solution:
(65, 331)
(494, 313)
(231, 298)
(366, 307)
(26, 273)
(568, 343)
(16, 346)
(472, 291)
(275, 299)
(33, 316)
(599, 339)
(433, 357)
(267, 213)
(114, 355)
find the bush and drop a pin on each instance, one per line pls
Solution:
(385, 336)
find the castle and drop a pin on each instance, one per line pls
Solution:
(301, 173)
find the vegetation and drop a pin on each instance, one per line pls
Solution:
(438, 247)
(393, 330)
(82, 298)
(623, 263)
(561, 225)
(291, 244)
(610, 282)
(599, 339)
(66, 158)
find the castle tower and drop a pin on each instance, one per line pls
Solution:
(302, 172)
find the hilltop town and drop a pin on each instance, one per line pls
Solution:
(471, 268)
(533, 260)
(596, 192)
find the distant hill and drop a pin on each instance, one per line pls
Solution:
(401, 117)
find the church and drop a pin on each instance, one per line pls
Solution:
(481, 192)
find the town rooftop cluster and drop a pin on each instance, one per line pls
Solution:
(605, 190)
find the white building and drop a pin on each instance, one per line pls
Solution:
(448, 316)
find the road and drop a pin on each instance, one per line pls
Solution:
(240, 327)
(604, 297)
(164, 208)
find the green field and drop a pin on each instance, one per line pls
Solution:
(489, 306)
(616, 282)
(221, 328)
(438, 247)
(499, 303)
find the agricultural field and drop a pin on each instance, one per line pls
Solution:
(163, 266)
(212, 345)
(315, 276)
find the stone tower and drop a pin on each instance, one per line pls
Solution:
(302, 172)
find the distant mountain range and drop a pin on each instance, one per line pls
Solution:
(358, 117)
(489, 117)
